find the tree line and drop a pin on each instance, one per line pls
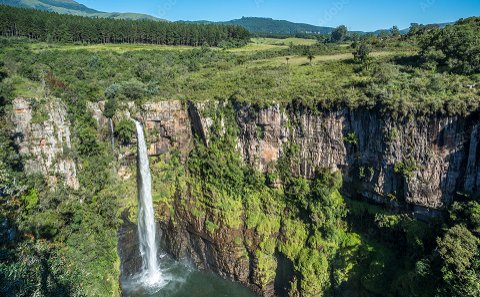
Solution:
(53, 27)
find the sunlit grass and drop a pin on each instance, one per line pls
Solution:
(119, 48)
(284, 42)
(257, 44)
(303, 60)
(26, 88)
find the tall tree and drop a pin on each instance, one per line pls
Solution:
(339, 34)
(395, 31)
(362, 52)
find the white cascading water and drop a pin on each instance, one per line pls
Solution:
(112, 137)
(151, 274)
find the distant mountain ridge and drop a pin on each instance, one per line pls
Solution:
(252, 24)
(269, 25)
(75, 8)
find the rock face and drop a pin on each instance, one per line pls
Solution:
(416, 163)
(169, 127)
(42, 134)
(422, 162)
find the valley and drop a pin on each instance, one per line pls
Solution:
(250, 166)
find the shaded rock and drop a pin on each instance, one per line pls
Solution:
(44, 140)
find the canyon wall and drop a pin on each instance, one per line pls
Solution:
(419, 162)
(416, 164)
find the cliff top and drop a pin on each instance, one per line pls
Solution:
(400, 75)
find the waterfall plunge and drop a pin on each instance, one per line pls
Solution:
(151, 274)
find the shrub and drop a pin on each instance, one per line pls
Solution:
(125, 131)
(456, 47)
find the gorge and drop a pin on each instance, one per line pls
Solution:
(162, 159)
(414, 166)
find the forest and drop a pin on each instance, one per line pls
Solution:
(47, 26)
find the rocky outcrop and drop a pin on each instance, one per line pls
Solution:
(42, 134)
(169, 127)
(421, 161)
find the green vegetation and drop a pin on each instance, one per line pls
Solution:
(395, 80)
(455, 48)
(49, 231)
(361, 52)
(336, 246)
(125, 131)
(406, 168)
(339, 34)
(303, 220)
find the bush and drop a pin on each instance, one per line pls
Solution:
(125, 131)
(362, 52)
(455, 48)
(133, 89)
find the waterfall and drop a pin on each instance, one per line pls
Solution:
(112, 136)
(151, 274)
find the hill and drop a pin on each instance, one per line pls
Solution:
(74, 8)
(268, 25)
(271, 26)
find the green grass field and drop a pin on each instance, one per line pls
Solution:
(119, 48)
(256, 44)
(284, 42)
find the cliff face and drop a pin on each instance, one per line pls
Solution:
(424, 162)
(417, 163)
(42, 134)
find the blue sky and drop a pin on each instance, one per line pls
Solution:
(356, 14)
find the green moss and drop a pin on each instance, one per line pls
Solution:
(406, 168)
(294, 238)
(266, 267)
(211, 227)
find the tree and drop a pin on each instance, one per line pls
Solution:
(310, 57)
(455, 48)
(125, 131)
(362, 52)
(288, 59)
(110, 107)
(339, 34)
(459, 251)
(395, 31)
(52, 27)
